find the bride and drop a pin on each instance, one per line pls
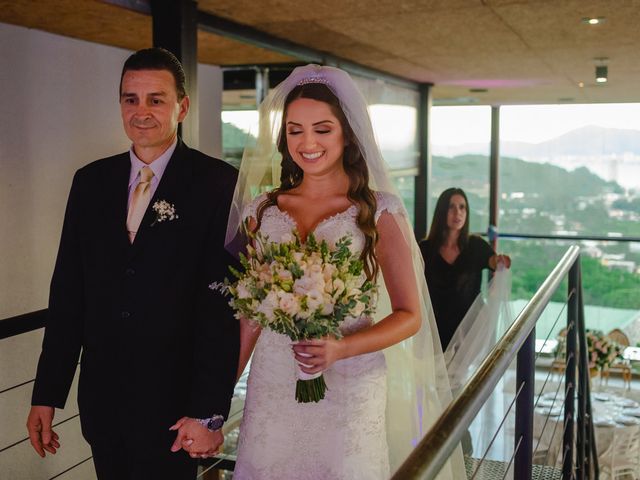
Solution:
(317, 156)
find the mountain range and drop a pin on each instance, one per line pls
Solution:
(586, 141)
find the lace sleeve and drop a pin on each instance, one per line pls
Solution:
(390, 203)
(251, 209)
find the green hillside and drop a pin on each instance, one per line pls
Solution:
(556, 199)
(545, 199)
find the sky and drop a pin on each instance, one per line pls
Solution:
(527, 123)
(395, 125)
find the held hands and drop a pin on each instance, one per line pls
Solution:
(317, 355)
(196, 439)
(41, 435)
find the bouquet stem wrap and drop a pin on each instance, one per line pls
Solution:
(310, 387)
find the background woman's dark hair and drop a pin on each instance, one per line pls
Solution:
(354, 165)
(439, 229)
(157, 59)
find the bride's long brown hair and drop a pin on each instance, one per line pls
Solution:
(353, 163)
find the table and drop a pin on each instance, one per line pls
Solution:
(616, 428)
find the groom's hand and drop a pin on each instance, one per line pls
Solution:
(41, 435)
(196, 439)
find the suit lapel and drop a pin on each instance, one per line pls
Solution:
(116, 193)
(173, 187)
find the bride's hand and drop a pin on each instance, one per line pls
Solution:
(318, 354)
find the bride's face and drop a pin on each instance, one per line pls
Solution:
(314, 136)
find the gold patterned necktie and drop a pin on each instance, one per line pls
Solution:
(139, 202)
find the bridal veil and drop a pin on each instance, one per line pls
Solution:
(418, 386)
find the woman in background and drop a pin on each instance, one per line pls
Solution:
(454, 261)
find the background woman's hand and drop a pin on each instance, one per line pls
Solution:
(318, 354)
(500, 258)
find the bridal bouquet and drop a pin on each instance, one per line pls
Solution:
(302, 290)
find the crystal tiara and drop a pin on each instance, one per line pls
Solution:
(314, 79)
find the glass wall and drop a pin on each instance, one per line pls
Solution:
(236, 125)
(405, 185)
(574, 170)
(611, 287)
(460, 140)
(394, 117)
(570, 169)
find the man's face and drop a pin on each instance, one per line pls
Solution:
(150, 108)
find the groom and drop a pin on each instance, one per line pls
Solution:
(143, 237)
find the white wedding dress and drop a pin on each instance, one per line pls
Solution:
(344, 435)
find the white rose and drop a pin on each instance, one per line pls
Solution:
(358, 309)
(315, 268)
(327, 309)
(284, 274)
(289, 303)
(328, 286)
(242, 290)
(315, 299)
(318, 280)
(302, 285)
(354, 292)
(269, 304)
(298, 256)
(328, 271)
(266, 308)
(264, 274)
(338, 286)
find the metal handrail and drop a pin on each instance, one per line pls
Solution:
(426, 460)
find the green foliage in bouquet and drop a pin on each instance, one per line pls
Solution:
(301, 290)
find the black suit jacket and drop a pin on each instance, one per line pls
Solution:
(157, 344)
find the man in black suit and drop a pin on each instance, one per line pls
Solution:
(143, 237)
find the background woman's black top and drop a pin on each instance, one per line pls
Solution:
(454, 287)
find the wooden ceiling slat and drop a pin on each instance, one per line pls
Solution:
(529, 51)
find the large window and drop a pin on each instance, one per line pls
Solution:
(236, 125)
(394, 117)
(570, 169)
(460, 138)
(610, 282)
(574, 170)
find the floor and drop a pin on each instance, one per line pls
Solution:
(492, 432)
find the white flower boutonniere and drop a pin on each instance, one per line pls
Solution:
(164, 211)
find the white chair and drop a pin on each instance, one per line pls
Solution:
(619, 366)
(622, 459)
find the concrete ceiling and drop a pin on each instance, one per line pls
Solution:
(520, 51)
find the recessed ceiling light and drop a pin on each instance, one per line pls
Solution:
(602, 72)
(593, 20)
(581, 84)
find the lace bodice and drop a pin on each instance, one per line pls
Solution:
(276, 223)
(343, 436)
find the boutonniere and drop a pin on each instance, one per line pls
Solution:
(164, 211)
